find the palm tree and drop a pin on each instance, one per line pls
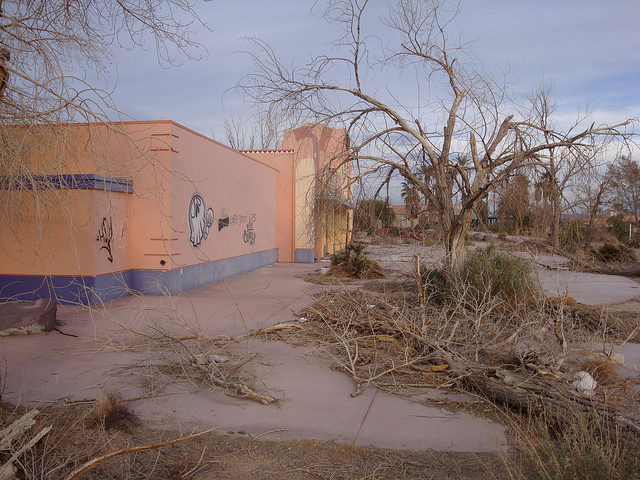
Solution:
(411, 200)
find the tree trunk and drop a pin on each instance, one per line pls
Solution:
(525, 391)
(455, 240)
(593, 211)
(555, 219)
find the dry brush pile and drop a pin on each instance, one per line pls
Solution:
(487, 331)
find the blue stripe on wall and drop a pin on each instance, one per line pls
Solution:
(103, 288)
(68, 181)
(304, 255)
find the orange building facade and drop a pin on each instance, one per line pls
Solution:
(105, 210)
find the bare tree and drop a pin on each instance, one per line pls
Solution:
(624, 175)
(48, 46)
(563, 164)
(54, 68)
(513, 203)
(262, 131)
(591, 191)
(462, 133)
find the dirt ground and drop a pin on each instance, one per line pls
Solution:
(78, 436)
(85, 430)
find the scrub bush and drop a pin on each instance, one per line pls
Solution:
(613, 253)
(582, 448)
(353, 262)
(487, 276)
(572, 236)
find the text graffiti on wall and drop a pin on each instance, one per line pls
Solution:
(239, 219)
(105, 236)
(200, 219)
(249, 235)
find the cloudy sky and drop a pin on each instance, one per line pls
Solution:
(589, 49)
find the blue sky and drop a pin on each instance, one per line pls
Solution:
(589, 49)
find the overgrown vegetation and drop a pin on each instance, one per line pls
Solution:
(369, 214)
(614, 253)
(353, 262)
(489, 331)
(489, 277)
(618, 227)
(583, 448)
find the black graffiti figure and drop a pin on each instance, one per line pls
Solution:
(200, 219)
(105, 235)
(223, 222)
(249, 236)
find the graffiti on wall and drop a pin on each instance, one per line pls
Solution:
(105, 237)
(243, 219)
(200, 219)
(223, 222)
(249, 235)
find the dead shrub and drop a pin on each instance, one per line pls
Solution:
(352, 262)
(111, 413)
(583, 448)
(572, 236)
(614, 253)
(601, 369)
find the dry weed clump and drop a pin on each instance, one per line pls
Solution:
(193, 360)
(603, 370)
(488, 276)
(111, 412)
(352, 262)
(586, 447)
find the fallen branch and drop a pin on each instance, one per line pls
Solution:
(91, 464)
(7, 471)
(18, 427)
(529, 392)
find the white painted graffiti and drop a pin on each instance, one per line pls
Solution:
(200, 219)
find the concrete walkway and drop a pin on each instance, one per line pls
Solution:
(315, 401)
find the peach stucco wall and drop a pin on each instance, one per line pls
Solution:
(43, 233)
(282, 161)
(197, 206)
(95, 232)
(241, 192)
(315, 147)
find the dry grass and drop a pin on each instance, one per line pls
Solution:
(111, 412)
(226, 456)
(603, 370)
(319, 279)
(584, 448)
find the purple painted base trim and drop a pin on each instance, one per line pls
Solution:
(304, 255)
(103, 288)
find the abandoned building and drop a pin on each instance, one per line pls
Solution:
(105, 210)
